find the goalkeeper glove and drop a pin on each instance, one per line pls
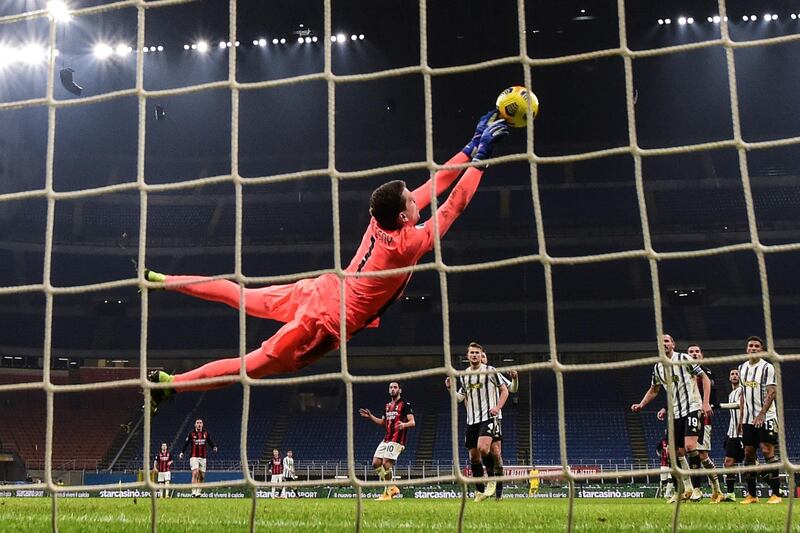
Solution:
(485, 120)
(493, 133)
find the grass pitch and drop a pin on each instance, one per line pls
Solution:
(187, 515)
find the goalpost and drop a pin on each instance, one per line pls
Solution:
(526, 64)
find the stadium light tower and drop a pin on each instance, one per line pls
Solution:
(59, 10)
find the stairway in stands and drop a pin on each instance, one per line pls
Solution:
(633, 421)
(119, 440)
(524, 424)
(277, 434)
(426, 425)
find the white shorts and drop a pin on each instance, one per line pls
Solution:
(164, 476)
(704, 444)
(197, 463)
(389, 450)
(276, 478)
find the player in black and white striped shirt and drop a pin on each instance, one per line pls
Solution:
(689, 409)
(699, 457)
(484, 396)
(512, 382)
(734, 451)
(759, 418)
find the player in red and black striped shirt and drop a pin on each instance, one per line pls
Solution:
(199, 439)
(276, 470)
(397, 419)
(163, 465)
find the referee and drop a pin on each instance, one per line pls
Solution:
(484, 393)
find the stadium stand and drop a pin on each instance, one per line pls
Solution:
(91, 430)
(85, 422)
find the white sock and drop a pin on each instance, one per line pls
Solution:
(687, 480)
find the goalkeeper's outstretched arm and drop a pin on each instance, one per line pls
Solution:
(462, 193)
(444, 178)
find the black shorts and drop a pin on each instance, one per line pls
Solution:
(489, 428)
(688, 426)
(753, 436)
(734, 449)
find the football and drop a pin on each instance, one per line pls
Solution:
(516, 104)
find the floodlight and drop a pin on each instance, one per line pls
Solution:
(59, 11)
(7, 56)
(32, 54)
(202, 46)
(102, 51)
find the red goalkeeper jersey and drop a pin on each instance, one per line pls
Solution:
(367, 297)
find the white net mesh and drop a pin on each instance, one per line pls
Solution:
(554, 364)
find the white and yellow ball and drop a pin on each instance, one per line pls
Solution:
(516, 104)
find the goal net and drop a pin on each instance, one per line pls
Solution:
(528, 66)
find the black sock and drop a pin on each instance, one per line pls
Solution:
(694, 463)
(477, 473)
(730, 482)
(750, 478)
(488, 462)
(498, 471)
(773, 476)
